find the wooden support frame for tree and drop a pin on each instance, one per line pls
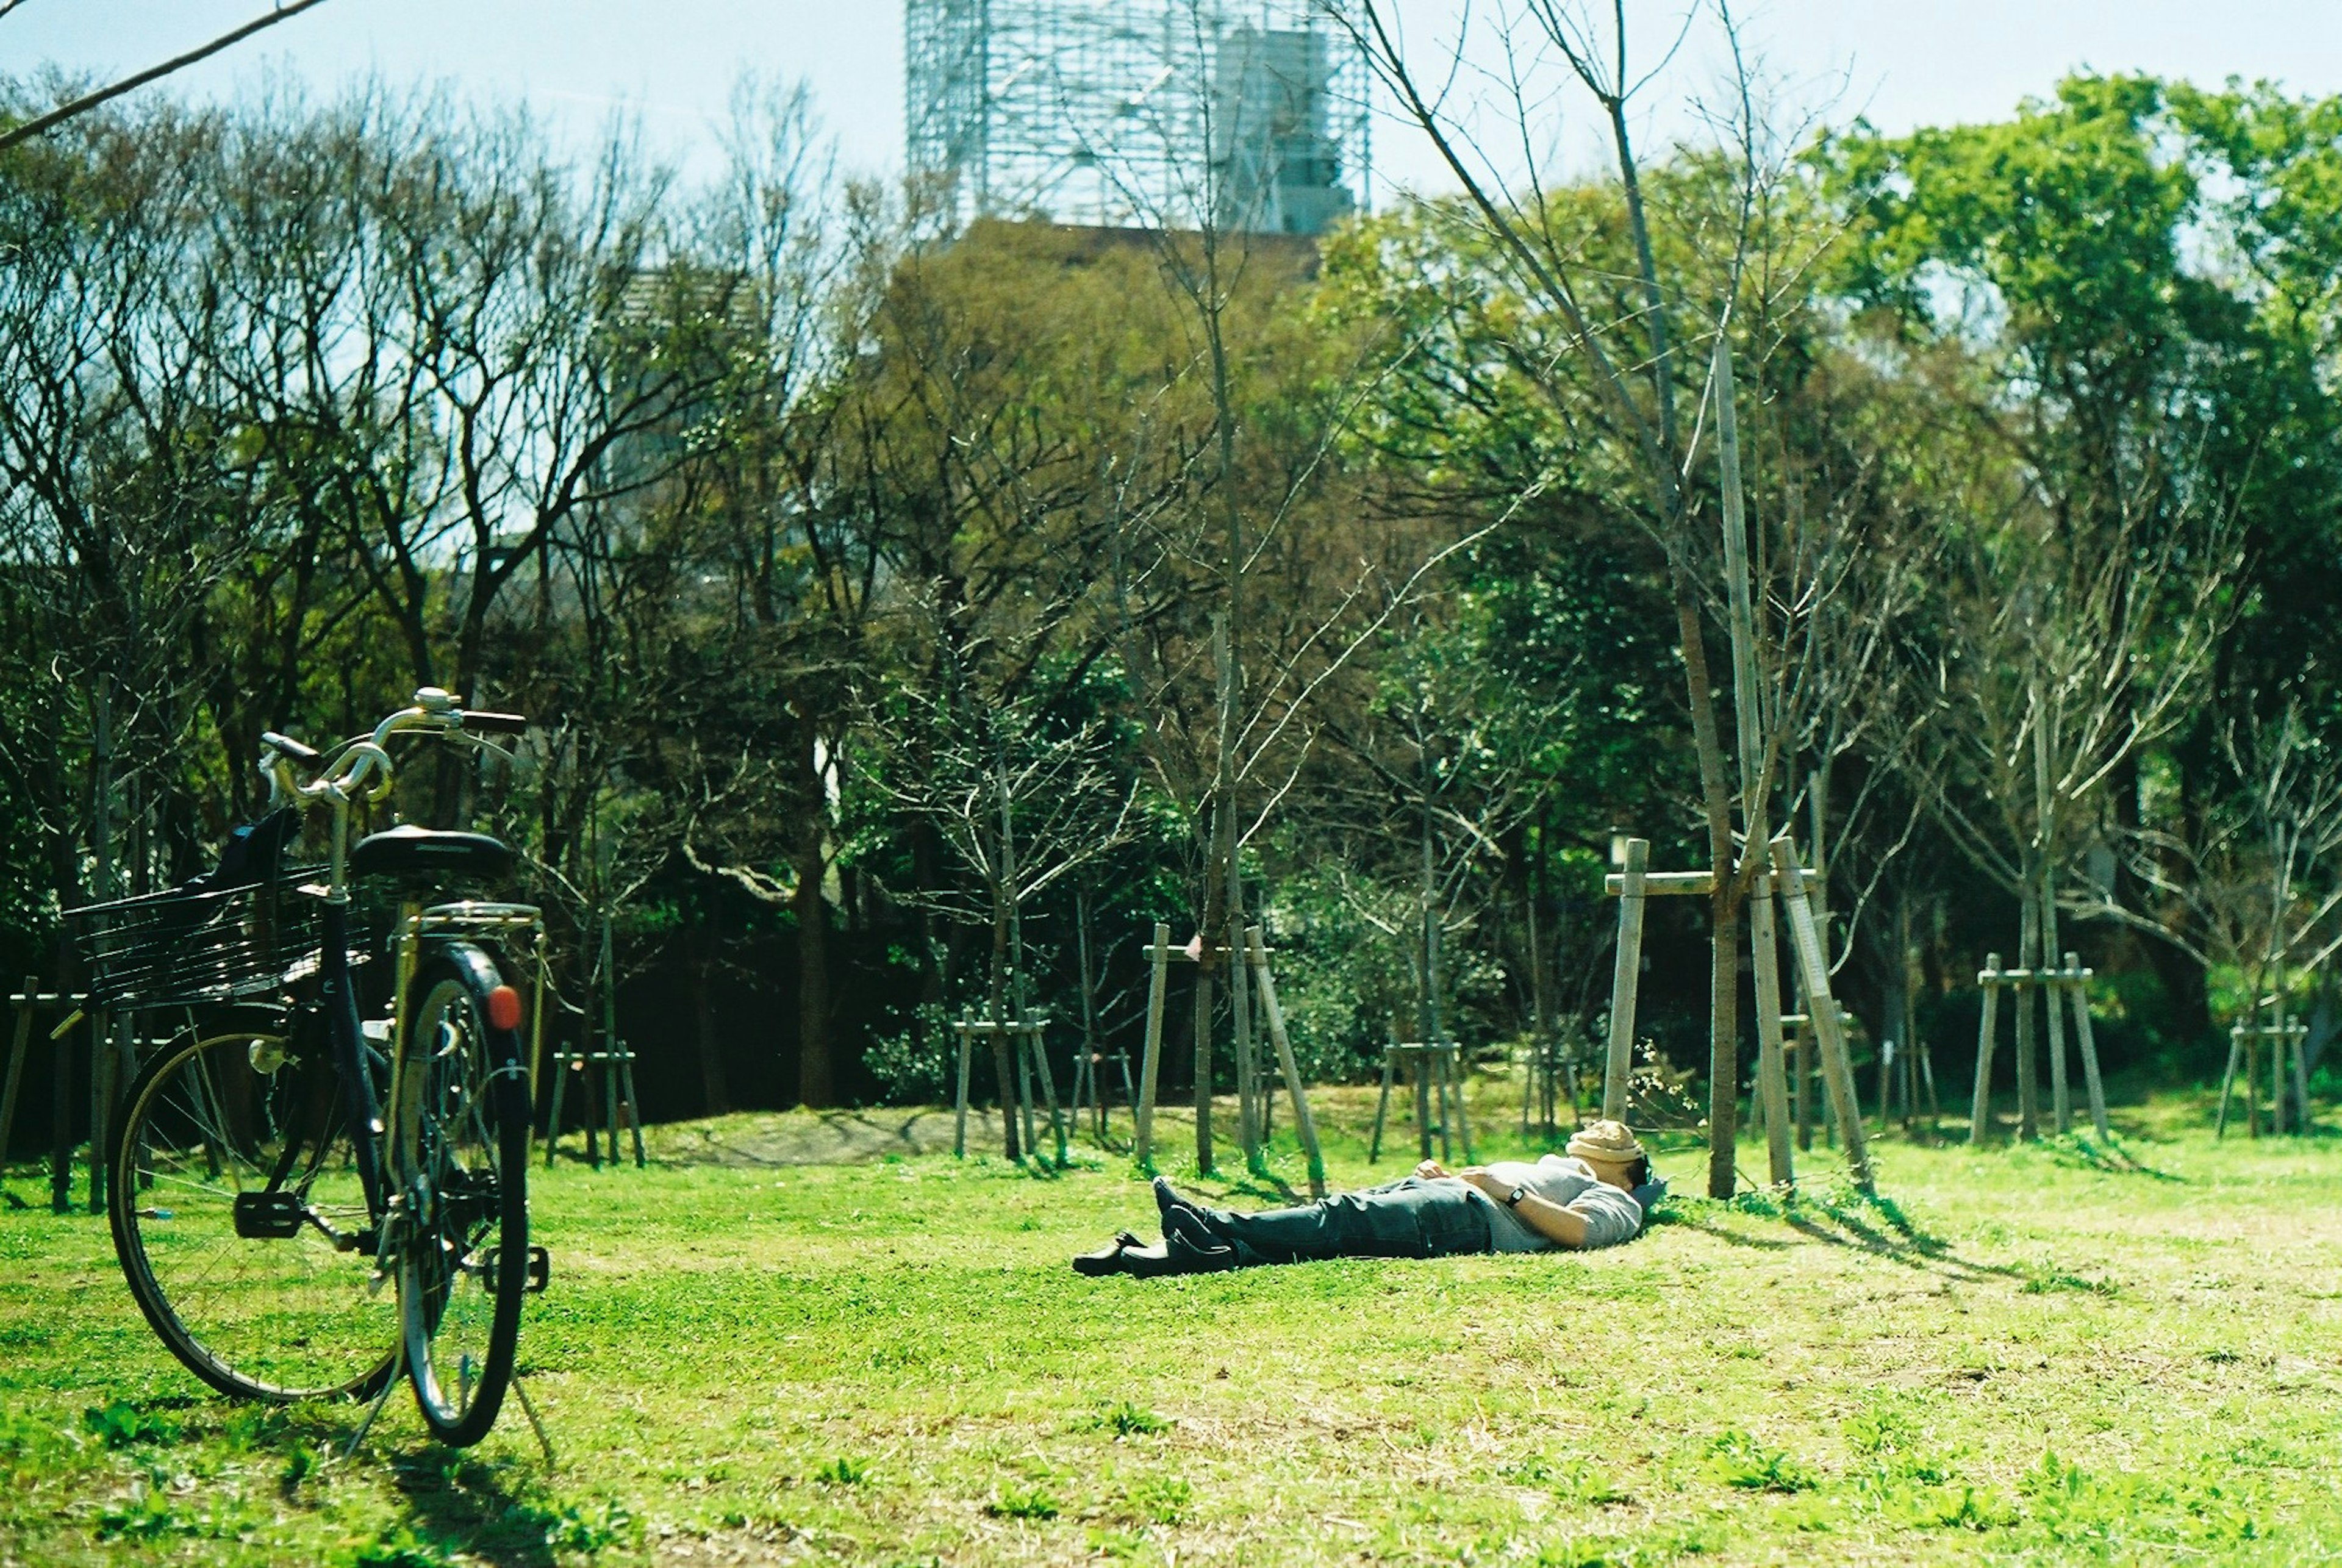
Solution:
(1549, 1073)
(2066, 987)
(1827, 1022)
(614, 1061)
(1262, 985)
(112, 1051)
(1089, 1088)
(2287, 1040)
(19, 1047)
(1016, 1099)
(1437, 1066)
(1801, 1064)
(1786, 882)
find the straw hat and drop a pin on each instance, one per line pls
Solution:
(1605, 1142)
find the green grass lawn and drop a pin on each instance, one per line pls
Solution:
(2031, 1356)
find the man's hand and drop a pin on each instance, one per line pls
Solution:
(1430, 1171)
(1480, 1177)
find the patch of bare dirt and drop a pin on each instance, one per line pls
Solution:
(810, 1137)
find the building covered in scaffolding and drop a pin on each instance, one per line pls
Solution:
(1138, 112)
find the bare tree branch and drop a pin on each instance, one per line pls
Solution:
(285, 11)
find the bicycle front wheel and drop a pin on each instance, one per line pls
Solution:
(461, 1141)
(239, 1219)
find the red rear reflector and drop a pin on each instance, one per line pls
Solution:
(503, 1008)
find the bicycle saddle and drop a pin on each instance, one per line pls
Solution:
(410, 850)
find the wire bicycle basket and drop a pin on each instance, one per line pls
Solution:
(178, 948)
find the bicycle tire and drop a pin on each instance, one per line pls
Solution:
(235, 1107)
(460, 1160)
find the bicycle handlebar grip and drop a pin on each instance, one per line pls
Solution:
(288, 746)
(495, 724)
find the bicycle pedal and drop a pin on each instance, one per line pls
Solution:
(267, 1216)
(540, 1272)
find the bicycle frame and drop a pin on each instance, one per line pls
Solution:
(362, 772)
(347, 1043)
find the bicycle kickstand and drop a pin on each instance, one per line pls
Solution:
(390, 1386)
(528, 1408)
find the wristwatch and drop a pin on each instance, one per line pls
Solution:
(1513, 1199)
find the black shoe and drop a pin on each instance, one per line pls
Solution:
(1108, 1259)
(1149, 1263)
(1167, 1202)
(1207, 1227)
(1191, 1244)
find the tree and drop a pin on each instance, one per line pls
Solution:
(1544, 244)
(1024, 798)
(2038, 274)
(2252, 871)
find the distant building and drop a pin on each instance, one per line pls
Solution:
(1139, 113)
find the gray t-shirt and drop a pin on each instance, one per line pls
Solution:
(1611, 1216)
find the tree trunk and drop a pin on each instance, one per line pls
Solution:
(817, 1080)
(1207, 975)
(1202, 1033)
(708, 945)
(1723, 1039)
(1435, 1016)
(1896, 1002)
(2186, 992)
(1004, 1068)
(1724, 970)
(1540, 992)
(2028, 956)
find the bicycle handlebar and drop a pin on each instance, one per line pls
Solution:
(489, 723)
(345, 777)
(287, 746)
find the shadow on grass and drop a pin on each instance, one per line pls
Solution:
(464, 1509)
(2079, 1152)
(454, 1505)
(1837, 1215)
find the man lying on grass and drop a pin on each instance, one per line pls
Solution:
(1595, 1197)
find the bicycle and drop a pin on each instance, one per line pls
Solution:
(271, 1172)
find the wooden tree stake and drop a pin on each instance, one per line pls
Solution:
(1821, 1008)
(17, 1049)
(1626, 979)
(1980, 1110)
(1772, 1083)
(959, 1122)
(1031, 1028)
(1204, 1162)
(2061, 1099)
(1302, 1121)
(1151, 1058)
(2080, 994)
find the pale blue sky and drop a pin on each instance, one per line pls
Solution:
(1906, 62)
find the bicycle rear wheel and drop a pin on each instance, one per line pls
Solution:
(239, 1220)
(461, 1159)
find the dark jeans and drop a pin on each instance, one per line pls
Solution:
(1407, 1219)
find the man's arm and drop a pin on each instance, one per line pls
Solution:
(1561, 1225)
(1556, 1222)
